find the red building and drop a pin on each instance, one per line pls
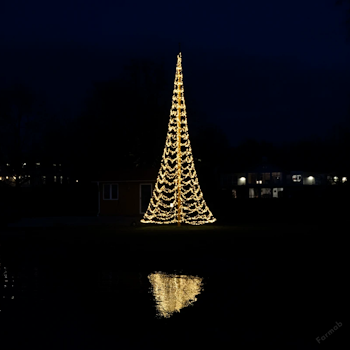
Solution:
(125, 192)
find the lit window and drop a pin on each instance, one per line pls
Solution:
(265, 193)
(44, 180)
(310, 180)
(344, 179)
(241, 181)
(61, 179)
(296, 178)
(76, 180)
(54, 178)
(37, 163)
(7, 177)
(7, 164)
(54, 165)
(276, 192)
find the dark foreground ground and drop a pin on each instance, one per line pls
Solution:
(271, 285)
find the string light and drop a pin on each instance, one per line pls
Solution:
(177, 196)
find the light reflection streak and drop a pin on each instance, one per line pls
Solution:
(173, 292)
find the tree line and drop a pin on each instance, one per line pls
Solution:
(123, 125)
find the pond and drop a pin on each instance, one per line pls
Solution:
(88, 295)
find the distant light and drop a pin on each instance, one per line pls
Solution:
(54, 165)
(24, 163)
(76, 180)
(296, 178)
(37, 163)
(171, 204)
(7, 164)
(241, 181)
(199, 160)
(344, 179)
(0, 178)
(7, 177)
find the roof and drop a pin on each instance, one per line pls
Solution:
(128, 175)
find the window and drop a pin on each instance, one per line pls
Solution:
(61, 179)
(310, 180)
(110, 192)
(296, 178)
(241, 181)
(265, 193)
(252, 178)
(277, 192)
(44, 180)
(276, 177)
(55, 178)
(253, 193)
(265, 178)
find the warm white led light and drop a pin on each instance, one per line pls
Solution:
(177, 180)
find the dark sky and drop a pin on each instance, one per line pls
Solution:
(273, 70)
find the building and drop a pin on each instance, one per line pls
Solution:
(125, 192)
(270, 181)
(33, 174)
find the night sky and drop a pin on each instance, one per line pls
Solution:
(270, 70)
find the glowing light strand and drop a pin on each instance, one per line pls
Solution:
(177, 197)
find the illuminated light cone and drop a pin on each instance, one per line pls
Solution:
(177, 196)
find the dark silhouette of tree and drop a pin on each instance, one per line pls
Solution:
(20, 125)
(125, 120)
(346, 5)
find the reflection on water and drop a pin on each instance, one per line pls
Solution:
(173, 292)
(7, 285)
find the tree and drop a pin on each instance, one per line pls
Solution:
(19, 127)
(177, 196)
(121, 116)
(347, 21)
